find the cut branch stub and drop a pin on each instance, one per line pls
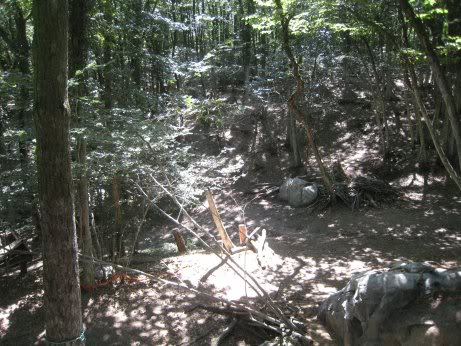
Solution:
(242, 234)
(227, 242)
(180, 243)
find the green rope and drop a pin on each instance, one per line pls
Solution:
(81, 338)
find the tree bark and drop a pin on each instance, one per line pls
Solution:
(62, 299)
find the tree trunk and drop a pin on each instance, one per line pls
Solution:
(95, 235)
(297, 94)
(118, 249)
(245, 34)
(438, 74)
(420, 104)
(107, 56)
(78, 49)
(22, 51)
(62, 300)
(380, 108)
(84, 224)
(292, 140)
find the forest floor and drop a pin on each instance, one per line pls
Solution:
(315, 253)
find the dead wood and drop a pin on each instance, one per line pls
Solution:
(242, 234)
(180, 243)
(227, 242)
(264, 318)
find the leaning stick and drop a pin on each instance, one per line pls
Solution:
(227, 242)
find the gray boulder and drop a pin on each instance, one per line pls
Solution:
(410, 304)
(298, 192)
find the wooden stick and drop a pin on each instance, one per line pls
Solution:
(242, 233)
(179, 241)
(227, 242)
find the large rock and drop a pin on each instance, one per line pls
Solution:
(298, 192)
(410, 304)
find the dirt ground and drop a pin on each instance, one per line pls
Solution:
(314, 252)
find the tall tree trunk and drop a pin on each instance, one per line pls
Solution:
(63, 317)
(380, 107)
(409, 119)
(118, 249)
(84, 224)
(439, 75)
(245, 34)
(422, 157)
(22, 52)
(107, 56)
(78, 48)
(297, 94)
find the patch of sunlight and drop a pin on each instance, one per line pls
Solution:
(458, 316)
(345, 138)
(432, 331)
(137, 324)
(411, 180)
(325, 289)
(157, 310)
(160, 324)
(429, 212)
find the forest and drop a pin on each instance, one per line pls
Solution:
(230, 172)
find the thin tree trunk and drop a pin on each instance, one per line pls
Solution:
(78, 49)
(292, 140)
(62, 301)
(438, 74)
(297, 94)
(87, 243)
(423, 157)
(443, 158)
(95, 234)
(118, 249)
(380, 109)
(409, 120)
(146, 208)
(22, 52)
